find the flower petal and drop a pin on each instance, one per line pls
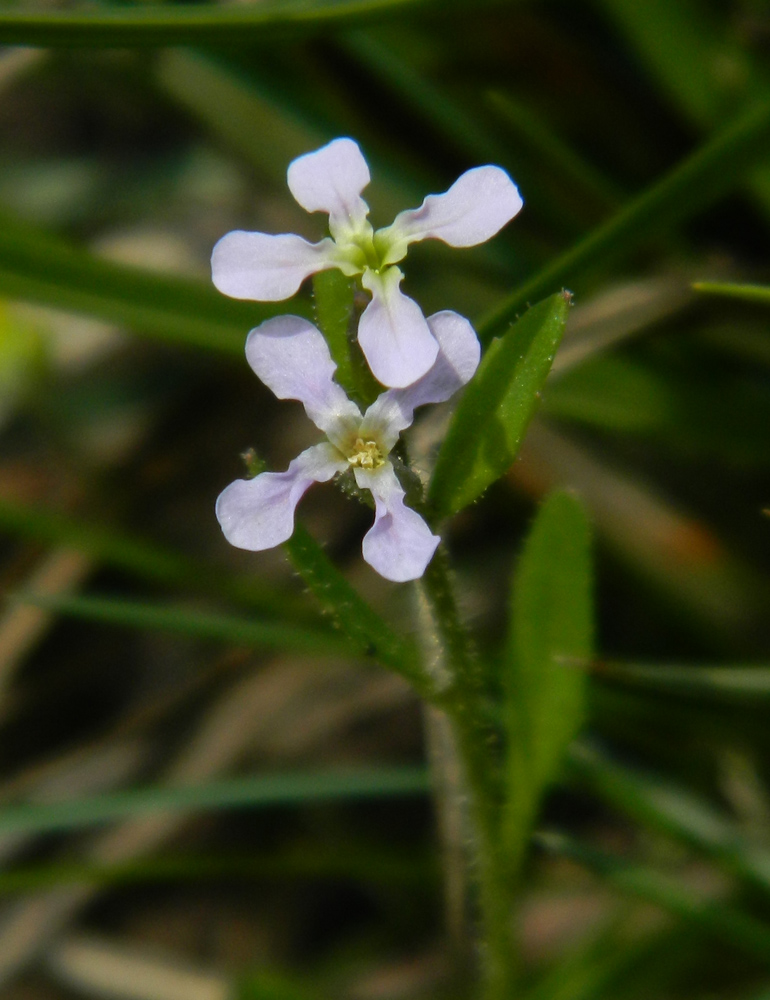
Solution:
(399, 545)
(267, 268)
(292, 358)
(458, 358)
(258, 513)
(331, 180)
(393, 332)
(479, 203)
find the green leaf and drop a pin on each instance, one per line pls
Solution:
(257, 791)
(41, 268)
(718, 919)
(748, 293)
(333, 297)
(610, 392)
(739, 682)
(698, 180)
(548, 650)
(674, 810)
(145, 560)
(209, 24)
(223, 628)
(496, 407)
(349, 612)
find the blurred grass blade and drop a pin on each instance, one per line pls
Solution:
(145, 560)
(183, 24)
(702, 177)
(496, 407)
(349, 612)
(41, 268)
(258, 791)
(675, 811)
(575, 172)
(548, 650)
(717, 918)
(744, 683)
(223, 628)
(748, 293)
(367, 864)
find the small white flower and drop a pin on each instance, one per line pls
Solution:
(393, 333)
(292, 358)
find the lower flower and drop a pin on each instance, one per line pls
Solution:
(292, 358)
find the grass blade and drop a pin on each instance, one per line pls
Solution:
(716, 918)
(739, 682)
(41, 268)
(223, 628)
(705, 175)
(185, 24)
(496, 407)
(257, 791)
(748, 293)
(675, 811)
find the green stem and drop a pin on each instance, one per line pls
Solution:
(460, 693)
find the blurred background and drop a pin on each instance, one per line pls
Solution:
(136, 649)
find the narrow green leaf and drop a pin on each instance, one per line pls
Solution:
(548, 650)
(182, 24)
(257, 791)
(698, 180)
(749, 293)
(349, 612)
(223, 628)
(673, 810)
(41, 268)
(146, 560)
(739, 682)
(719, 919)
(611, 392)
(496, 407)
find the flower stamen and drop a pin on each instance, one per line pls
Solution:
(365, 455)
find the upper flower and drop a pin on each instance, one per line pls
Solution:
(292, 358)
(393, 333)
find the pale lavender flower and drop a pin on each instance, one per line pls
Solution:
(393, 333)
(292, 358)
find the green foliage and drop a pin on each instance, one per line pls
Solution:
(548, 650)
(489, 424)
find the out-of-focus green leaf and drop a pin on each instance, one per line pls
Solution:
(702, 177)
(184, 24)
(749, 293)
(496, 407)
(609, 392)
(723, 683)
(719, 919)
(257, 791)
(223, 628)
(550, 148)
(548, 650)
(145, 560)
(367, 864)
(675, 811)
(41, 268)
(700, 63)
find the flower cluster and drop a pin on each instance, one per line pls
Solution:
(420, 360)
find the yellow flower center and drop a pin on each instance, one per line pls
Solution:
(365, 455)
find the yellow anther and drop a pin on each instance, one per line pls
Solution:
(365, 455)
